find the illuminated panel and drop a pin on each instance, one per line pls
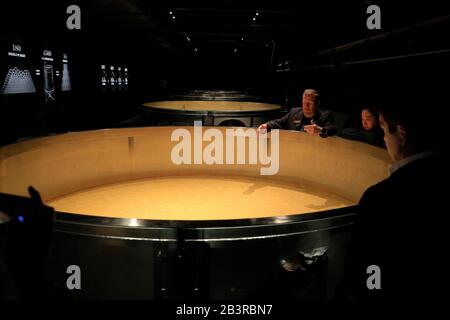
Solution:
(18, 79)
(66, 84)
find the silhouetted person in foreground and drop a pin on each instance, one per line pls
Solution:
(398, 247)
(27, 244)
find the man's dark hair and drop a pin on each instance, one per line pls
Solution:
(424, 130)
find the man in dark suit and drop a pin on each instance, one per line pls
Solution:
(308, 118)
(397, 249)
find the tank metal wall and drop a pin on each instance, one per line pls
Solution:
(178, 260)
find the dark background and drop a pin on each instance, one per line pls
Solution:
(288, 47)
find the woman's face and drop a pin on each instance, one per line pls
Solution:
(368, 120)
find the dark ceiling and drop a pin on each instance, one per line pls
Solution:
(278, 30)
(273, 32)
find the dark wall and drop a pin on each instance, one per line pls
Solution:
(39, 26)
(347, 88)
(155, 72)
(43, 25)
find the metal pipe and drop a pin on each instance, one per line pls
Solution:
(378, 59)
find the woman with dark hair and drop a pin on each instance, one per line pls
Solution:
(370, 132)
